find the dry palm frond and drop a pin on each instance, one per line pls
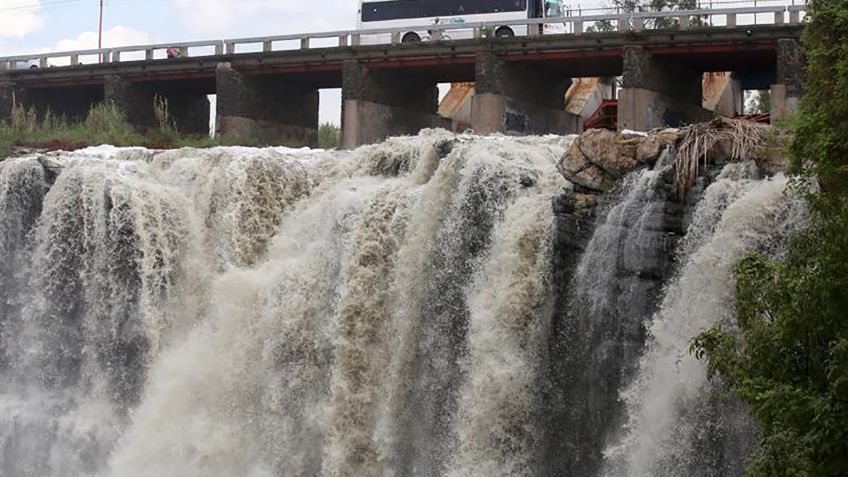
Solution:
(744, 138)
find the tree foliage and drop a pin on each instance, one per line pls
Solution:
(329, 136)
(759, 102)
(788, 358)
(630, 6)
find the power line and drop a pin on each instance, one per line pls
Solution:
(56, 4)
(43, 6)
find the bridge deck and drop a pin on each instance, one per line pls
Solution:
(749, 48)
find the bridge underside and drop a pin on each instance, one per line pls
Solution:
(390, 90)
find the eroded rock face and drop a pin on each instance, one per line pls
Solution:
(598, 158)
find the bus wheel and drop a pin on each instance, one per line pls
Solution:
(504, 32)
(411, 37)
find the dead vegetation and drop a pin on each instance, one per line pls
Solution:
(740, 140)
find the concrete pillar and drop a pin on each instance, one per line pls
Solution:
(188, 109)
(10, 94)
(518, 99)
(786, 93)
(722, 94)
(135, 102)
(266, 109)
(377, 104)
(658, 93)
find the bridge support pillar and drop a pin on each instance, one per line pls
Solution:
(380, 103)
(657, 93)
(10, 94)
(516, 99)
(265, 109)
(188, 110)
(786, 93)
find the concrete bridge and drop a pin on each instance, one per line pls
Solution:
(390, 89)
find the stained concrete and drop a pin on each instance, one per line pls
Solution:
(188, 108)
(643, 110)
(10, 94)
(266, 109)
(786, 93)
(498, 113)
(368, 123)
(518, 99)
(381, 103)
(658, 93)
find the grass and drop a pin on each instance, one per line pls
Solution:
(105, 123)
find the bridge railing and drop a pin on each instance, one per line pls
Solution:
(185, 49)
(577, 22)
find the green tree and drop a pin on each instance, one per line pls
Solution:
(788, 358)
(759, 103)
(630, 6)
(329, 136)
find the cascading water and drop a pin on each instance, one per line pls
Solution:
(599, 338)
(394, 310)
(678, 423)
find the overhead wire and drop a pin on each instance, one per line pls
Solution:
(58, 4)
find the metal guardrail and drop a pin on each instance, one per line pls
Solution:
(630, 21)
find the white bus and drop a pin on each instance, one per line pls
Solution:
(414, 13)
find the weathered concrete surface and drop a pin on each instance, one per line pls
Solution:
(786, 93)
(10, 94)
(644, 110)
(517, 99)
(267, 109)
(658, 93)
(497, 113)
(368, 123)
(188, 110)
(136, 103)
(723, 94)
(266, 132)
(456, 105)
(782, 103)
(381, 103)
(586, 94)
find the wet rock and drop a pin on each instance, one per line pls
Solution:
(52, 169)
(653, 145)
(598, 158)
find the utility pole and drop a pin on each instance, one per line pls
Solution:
(100, 32)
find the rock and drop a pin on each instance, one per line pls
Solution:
(599, 157)
(584, 204)
(614, 153)
(653, 145)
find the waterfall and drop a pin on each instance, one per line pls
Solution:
(403, 309)
(677, 423)
(276, 312)
(613, 292)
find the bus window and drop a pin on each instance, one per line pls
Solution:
(553, 9)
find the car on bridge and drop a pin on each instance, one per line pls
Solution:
(24, 65)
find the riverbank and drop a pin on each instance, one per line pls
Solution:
(106, 124)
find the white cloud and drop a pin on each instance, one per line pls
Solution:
(113, 37)
(255, 17)
(19, 17)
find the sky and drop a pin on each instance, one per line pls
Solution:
(35, 26)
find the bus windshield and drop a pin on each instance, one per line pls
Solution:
(406, 9)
